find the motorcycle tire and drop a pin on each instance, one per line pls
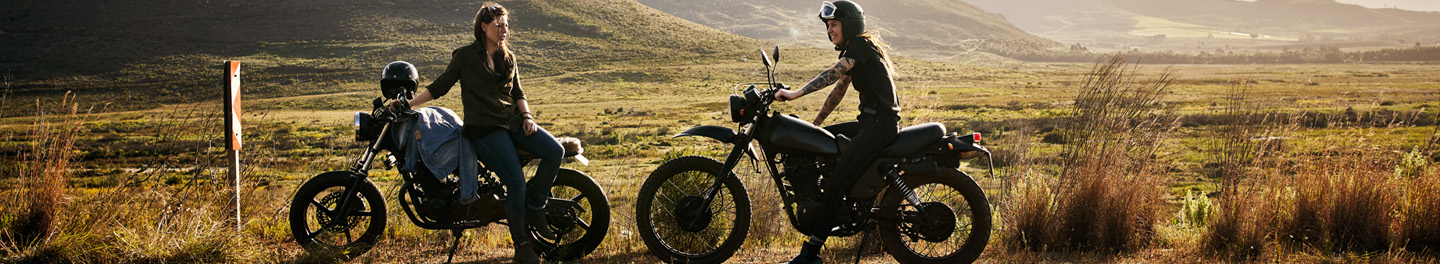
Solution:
(954, 228)
(672, 221)
(313, 209)
(578, 232)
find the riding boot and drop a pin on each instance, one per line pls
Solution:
(525, 253)
(536, 219)
(809, 253)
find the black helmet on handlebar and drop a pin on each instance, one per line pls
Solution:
(399, 78)
(851, 16)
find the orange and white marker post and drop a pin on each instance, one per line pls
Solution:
(232, 133)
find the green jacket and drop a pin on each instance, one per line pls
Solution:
(489, 97)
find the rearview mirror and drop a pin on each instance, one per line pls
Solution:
(766, 58)
(776, 54)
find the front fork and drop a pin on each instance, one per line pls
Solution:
(361, 169)
(742, 147)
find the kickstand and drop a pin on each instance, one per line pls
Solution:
(457, 233)
(863, 239)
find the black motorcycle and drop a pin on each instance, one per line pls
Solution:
(695, 209)
(342, 213)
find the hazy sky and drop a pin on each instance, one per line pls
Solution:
(1421, 5)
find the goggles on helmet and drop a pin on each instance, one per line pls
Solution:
(827, 10)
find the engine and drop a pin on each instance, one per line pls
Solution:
(803, 173)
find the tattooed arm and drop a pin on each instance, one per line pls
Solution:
(832, 100)
(826, 78)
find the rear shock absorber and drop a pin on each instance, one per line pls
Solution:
(894, 175)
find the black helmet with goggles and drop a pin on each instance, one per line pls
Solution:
(850, 15)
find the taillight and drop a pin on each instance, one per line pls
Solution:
(976, 136)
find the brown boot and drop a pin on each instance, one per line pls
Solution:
(525, 254)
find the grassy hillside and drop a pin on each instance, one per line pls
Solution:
(917, 28)
(141, 54)
(1225, 24)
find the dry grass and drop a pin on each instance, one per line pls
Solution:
(1351, 200)
(43, 177)
(1106, 196)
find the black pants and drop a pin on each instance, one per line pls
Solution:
(875, 134)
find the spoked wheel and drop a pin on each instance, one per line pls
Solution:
(324, 225)
(950, 225)
(580, 222)
(676, 222)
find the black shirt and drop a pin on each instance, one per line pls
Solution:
(871, 78)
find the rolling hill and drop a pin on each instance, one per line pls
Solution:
(138, 54)
(916, 28)
(1205, 25)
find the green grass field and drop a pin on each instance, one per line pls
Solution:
(626, 115)
(145, 180)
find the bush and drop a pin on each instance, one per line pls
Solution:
(1195, 211)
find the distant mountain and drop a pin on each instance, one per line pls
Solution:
(1119, 24)
(140, 53)
(918, 28)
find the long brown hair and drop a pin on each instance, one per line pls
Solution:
(487, 14)
(874, 38)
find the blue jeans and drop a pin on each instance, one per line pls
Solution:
(497, 151)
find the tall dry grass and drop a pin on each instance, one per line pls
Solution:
(1419, 228)
(138, 216)
(38, 207)
(1351, 197)
(1106, 195)
(1251, 143)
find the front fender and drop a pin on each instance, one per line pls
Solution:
(723, 134)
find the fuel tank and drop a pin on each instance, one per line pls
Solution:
(789, 135)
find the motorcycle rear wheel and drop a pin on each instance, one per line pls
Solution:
(673, 221)
(578, 232)
(318, 202)
(955, 225)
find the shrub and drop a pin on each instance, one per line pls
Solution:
(1195, 210)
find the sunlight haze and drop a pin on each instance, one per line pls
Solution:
(1417, 5)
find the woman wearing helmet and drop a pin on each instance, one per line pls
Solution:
(863, 64)
(498, 120)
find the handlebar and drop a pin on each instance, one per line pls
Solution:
(382, 111)
(767, 96)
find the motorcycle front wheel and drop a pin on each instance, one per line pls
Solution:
(678, 225)
(323, 225)
(950, 225)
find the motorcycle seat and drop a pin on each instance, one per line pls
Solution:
(571, 145)
(914, 138)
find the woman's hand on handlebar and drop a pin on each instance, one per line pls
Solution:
(787, 95)
(399, 104)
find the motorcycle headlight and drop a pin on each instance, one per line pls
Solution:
(737, 109)
(362, 125)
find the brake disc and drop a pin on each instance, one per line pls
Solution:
(333, 201)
